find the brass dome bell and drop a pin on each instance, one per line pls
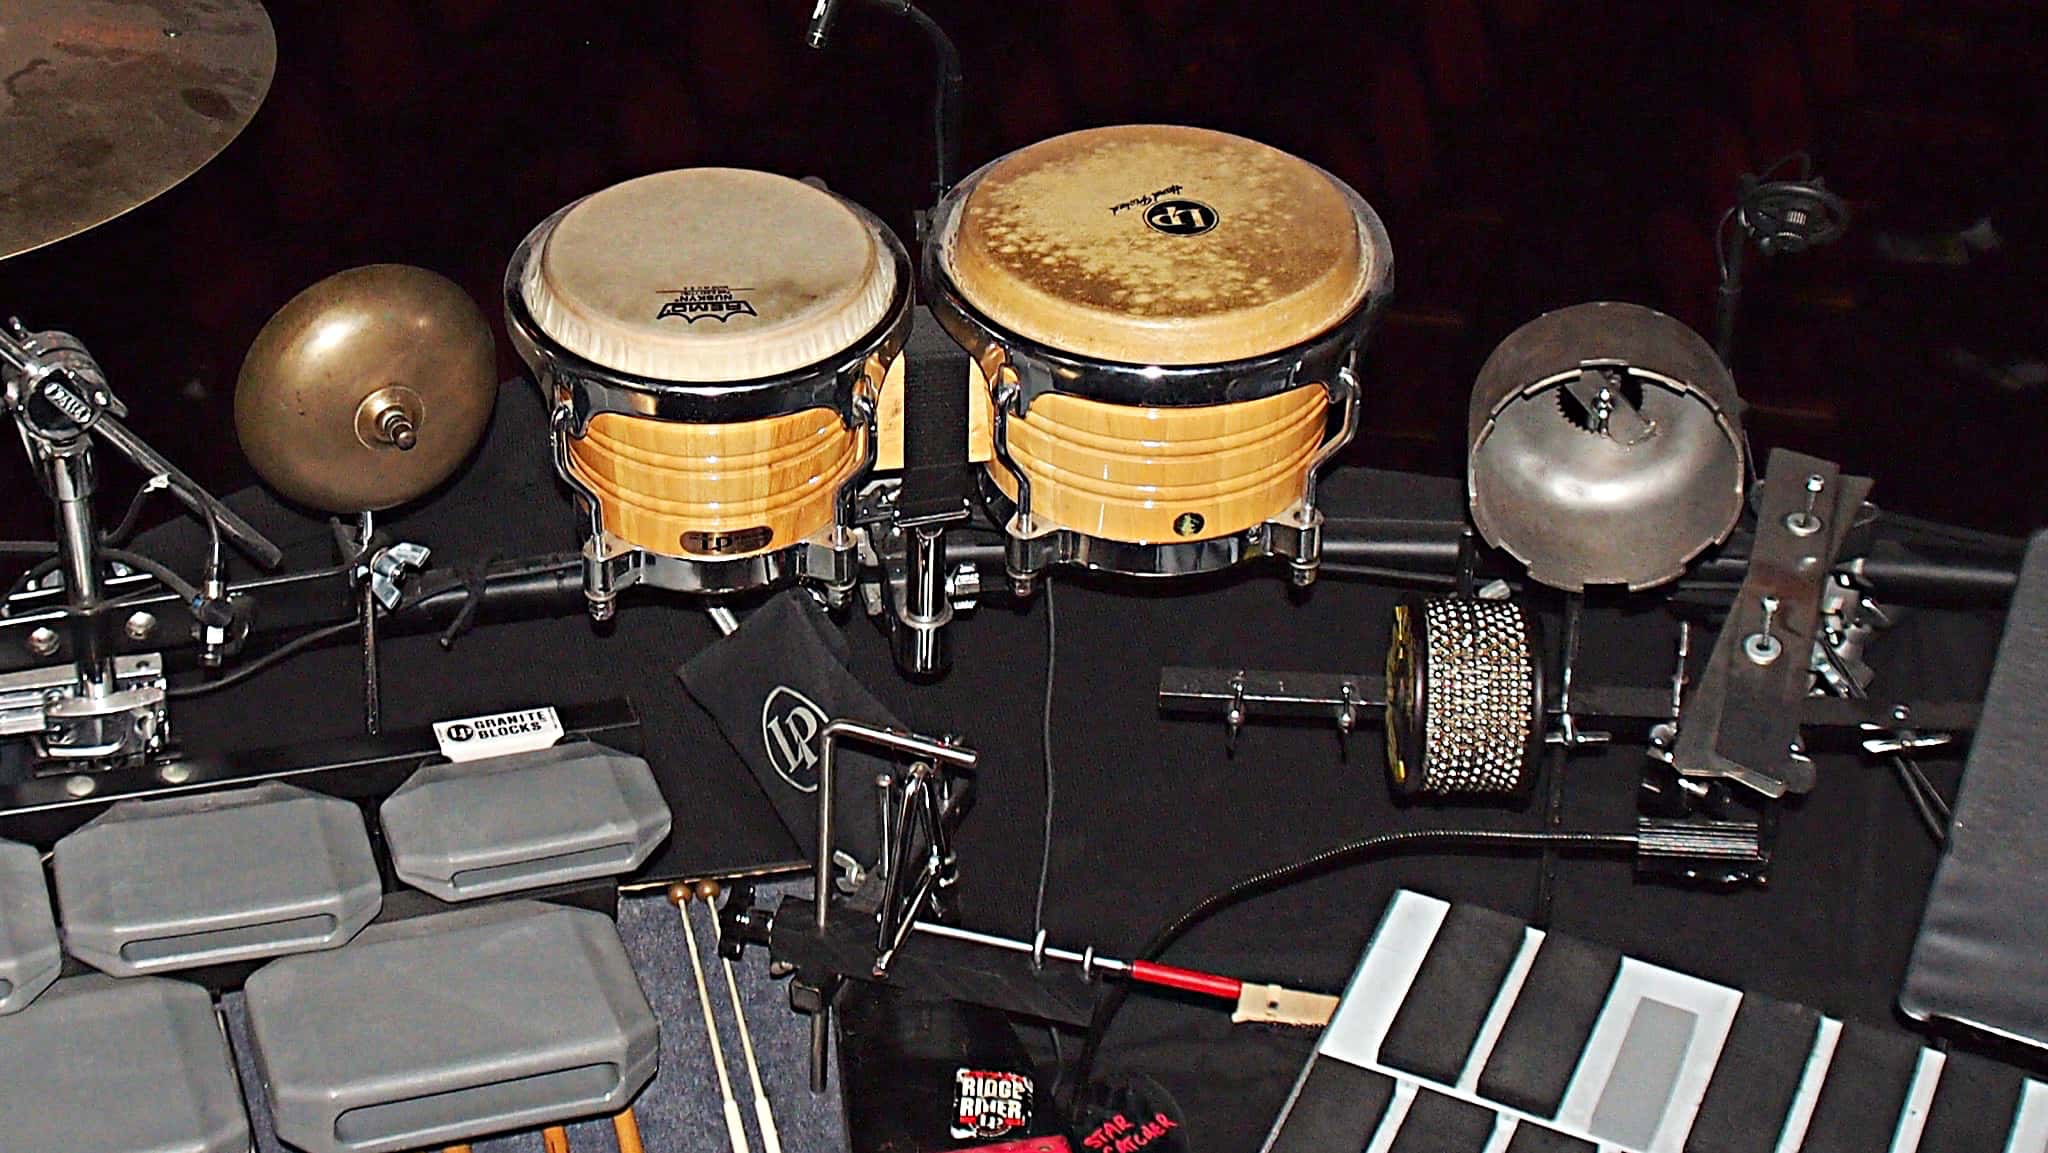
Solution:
(367, 389)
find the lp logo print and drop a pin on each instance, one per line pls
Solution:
(790, 722)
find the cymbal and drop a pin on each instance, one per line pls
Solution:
(367, 389)
(107, 104)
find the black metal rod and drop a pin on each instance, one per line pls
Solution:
(255, 544)
(1431, 547)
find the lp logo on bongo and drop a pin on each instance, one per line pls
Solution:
(1181, 217)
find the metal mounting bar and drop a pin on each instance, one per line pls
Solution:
(42, 809)
(1262, 694)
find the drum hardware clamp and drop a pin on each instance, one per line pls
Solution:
(927, 804)
(105, 708)
(380, 572)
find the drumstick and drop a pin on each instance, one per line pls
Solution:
(680, 894)
(555, 1138)
(764, 1114)
(627, 1127)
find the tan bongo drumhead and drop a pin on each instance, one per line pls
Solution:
(1159, 244)
(709, 274)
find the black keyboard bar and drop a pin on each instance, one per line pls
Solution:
(1437, 1123)
(1865, 1091)
(1975, 1105)
(1756, 1078)
(1335, 1106)
(1532, 1062)
(1533, 1138)
(1455, 989)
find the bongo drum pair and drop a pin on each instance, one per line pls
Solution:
(1163, 324)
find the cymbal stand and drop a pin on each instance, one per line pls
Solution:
(373, 697)
(55, 392)
(380, 574)
(113, 709)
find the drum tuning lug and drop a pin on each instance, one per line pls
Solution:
(1234, 716)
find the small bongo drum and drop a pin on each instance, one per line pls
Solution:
(1168, 319)
(712, 341)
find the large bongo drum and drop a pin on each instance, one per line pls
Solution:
(712, 342)
(1168, 319)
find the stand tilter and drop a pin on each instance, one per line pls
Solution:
(112, 710)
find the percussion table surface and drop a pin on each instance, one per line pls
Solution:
(1153, 813)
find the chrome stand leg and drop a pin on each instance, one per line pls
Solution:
(373, 699)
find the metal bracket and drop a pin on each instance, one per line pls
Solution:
(1741, 722)
(932, 753)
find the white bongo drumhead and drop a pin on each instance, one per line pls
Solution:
(709, 274)
(1159, 244)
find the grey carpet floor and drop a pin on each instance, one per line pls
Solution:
(680, 1111)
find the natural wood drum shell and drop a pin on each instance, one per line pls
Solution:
(666, 486)
(1146, 475)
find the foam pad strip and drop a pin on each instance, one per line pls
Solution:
(1974, 1106)
(1532, 1063)
(1532, 1138)
(1336, 1105)
(1981, 956)
(1865, 1091)
(1437, 1123)
(1461, 975)
(1756, 1078)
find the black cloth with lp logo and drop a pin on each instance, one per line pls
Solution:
(771, 687)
